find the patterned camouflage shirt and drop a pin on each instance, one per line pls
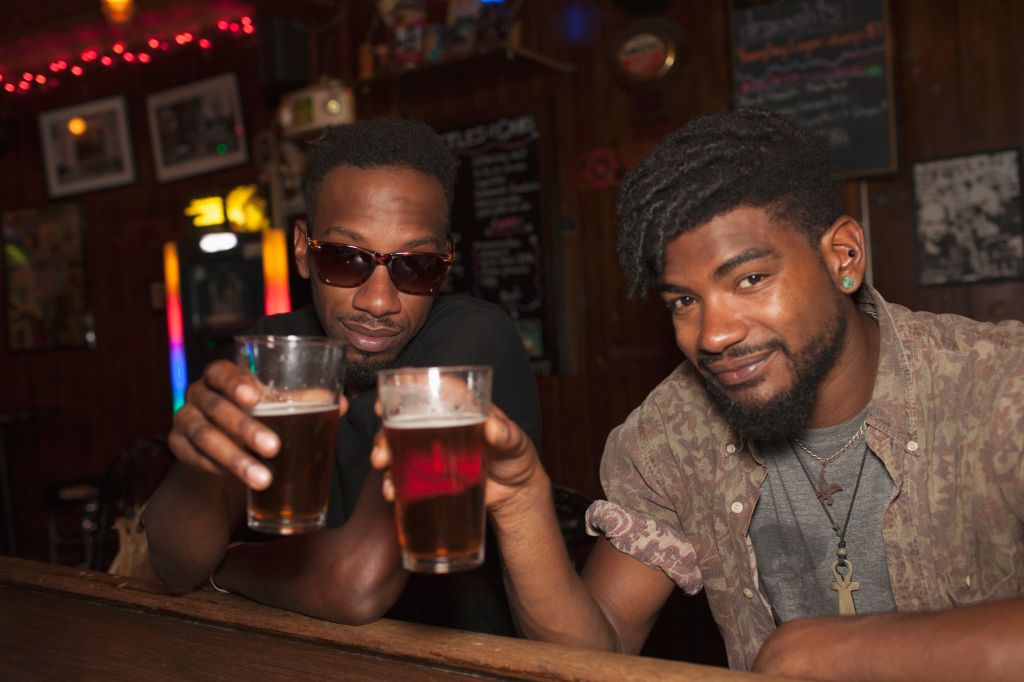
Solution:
(947, 420)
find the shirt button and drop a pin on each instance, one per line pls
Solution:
(730, 448)
(911, 446)
(737, 507)
(748, 593)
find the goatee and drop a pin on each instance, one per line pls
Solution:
(361, 374)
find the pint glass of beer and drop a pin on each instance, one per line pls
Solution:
(300, 380)
(434, 423)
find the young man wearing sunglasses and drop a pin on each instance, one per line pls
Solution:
(376, 248)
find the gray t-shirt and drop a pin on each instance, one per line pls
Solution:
(793, 541)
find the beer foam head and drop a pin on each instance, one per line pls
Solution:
(279, 409)
(432, 421)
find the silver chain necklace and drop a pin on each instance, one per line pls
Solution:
(826, 490)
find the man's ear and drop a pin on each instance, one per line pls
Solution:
(845, 254)
(300, 248)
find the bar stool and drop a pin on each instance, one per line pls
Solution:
(73, 523)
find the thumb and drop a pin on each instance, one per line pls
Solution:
(498, 433)
(503, 434)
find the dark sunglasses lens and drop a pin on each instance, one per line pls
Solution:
(343, 266)
(418, 273)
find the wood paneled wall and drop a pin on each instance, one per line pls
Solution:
(959, 89)
(958, 83)
(102, 400)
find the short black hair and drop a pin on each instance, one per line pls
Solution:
(714, 164)
(379, 143)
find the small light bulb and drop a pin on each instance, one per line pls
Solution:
(77, 126)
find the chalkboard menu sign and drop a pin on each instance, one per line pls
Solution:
(496, 221)
(824, 63)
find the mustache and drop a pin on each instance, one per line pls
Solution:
(704, 359)
(372, 322)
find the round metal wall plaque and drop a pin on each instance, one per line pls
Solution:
(647, 50)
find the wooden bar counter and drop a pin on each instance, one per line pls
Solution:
(58, 622)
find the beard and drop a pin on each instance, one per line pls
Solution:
(777, 418)
(361, 372)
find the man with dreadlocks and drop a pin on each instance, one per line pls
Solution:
(376, 247)
(844, 477)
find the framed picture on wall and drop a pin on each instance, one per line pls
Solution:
(197, 128)
(45, 304)
(87, 147)
(967, 212)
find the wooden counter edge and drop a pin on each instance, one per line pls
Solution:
(386, 638)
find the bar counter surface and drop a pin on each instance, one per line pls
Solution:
(58, 622)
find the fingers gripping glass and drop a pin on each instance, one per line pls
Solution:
(344, 265)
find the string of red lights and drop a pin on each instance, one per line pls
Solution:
(119, 52)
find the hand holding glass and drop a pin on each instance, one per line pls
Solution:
(434, 422)
(301, 379)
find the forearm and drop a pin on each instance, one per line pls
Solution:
(189, 521)
(550, 601)
(349, 575)
(306, 575)
(977, 643)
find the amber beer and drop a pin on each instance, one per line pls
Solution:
(296, 500)
(438, 472)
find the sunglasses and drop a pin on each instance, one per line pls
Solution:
(344, 265)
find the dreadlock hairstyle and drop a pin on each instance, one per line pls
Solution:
(714, 164)
(379, 143)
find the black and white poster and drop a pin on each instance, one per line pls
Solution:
(968, 218)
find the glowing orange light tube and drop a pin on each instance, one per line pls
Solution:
(275, 272)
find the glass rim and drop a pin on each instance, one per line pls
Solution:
(288, 340)
(395, 371)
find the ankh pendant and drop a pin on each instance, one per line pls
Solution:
(845, 586)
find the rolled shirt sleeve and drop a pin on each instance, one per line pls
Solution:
(638, 518)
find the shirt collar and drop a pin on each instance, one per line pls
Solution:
(894, 398)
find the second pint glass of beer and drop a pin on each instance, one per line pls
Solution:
(300, 380)
(434, 423)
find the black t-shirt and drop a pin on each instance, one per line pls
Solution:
(458, 331)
